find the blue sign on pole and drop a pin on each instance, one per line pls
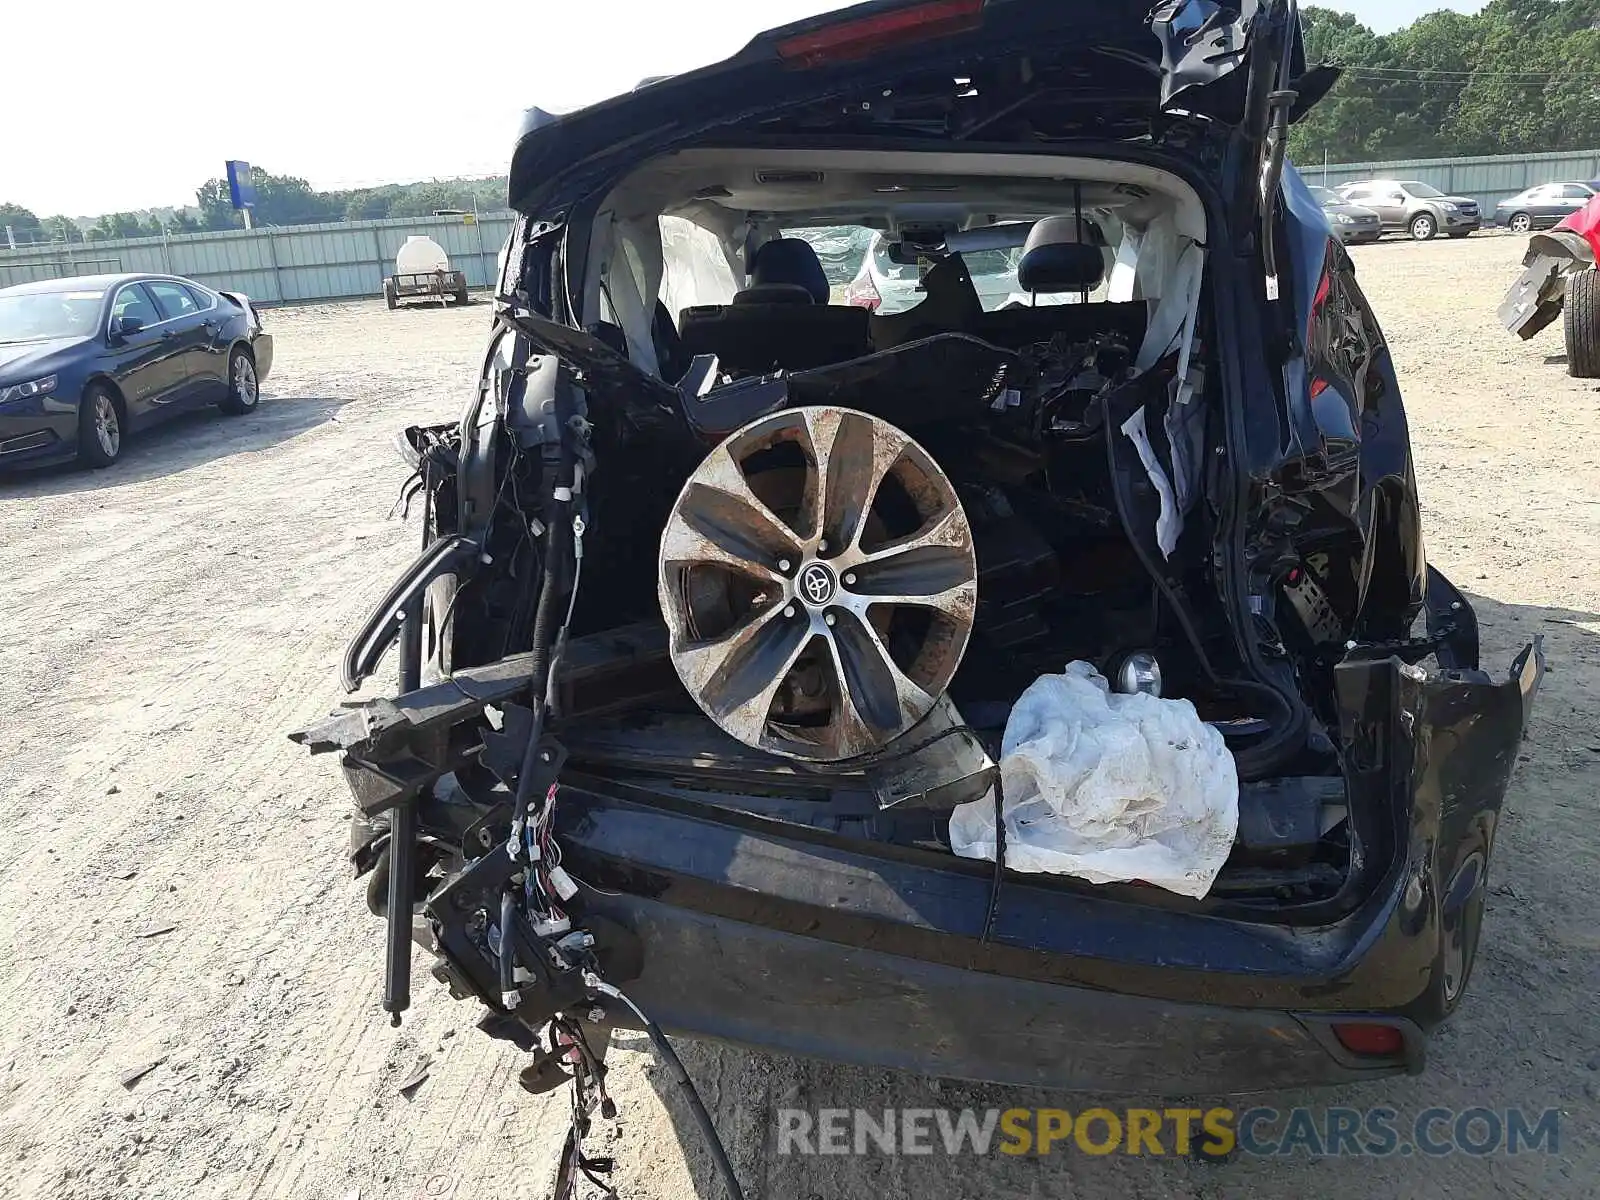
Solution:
(241, 187)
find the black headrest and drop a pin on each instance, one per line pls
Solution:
(1054, 260)
(791, 260)
(775, 293)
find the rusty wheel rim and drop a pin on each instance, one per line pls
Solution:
(853, 599)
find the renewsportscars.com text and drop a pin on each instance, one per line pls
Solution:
(1376, 1132)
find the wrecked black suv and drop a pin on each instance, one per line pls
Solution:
(729, 586)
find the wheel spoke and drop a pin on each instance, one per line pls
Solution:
(944, 531)
(720, 521)
(852, 454)
(882, 696)
(736, 676)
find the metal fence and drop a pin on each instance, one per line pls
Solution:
(1488, 180)
(327, 262)
(278, 265)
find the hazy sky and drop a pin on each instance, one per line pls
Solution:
(110, 107)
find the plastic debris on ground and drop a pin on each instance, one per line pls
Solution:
(1108, 787)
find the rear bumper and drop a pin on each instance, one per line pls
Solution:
(445, 283)
(728, 919)
(774, 937)
(261, 347)
(713, 977)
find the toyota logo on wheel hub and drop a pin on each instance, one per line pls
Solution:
(817, 584)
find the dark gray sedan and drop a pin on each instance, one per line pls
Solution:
(85, 361)
(1350, 222)
(1543, 205)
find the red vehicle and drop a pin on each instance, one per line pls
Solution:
(1559, 279)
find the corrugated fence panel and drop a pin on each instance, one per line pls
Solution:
(301, 262)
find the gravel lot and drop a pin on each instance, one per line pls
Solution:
(177, 892)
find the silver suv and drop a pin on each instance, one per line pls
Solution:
(1416, 208)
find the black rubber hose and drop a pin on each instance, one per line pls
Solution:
(719, 1155)
(544, 620)
(557, 544)
(508, 953)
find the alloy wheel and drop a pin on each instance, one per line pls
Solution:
(244, 381)
(1521, 223)
(818, 580)
(107, 426)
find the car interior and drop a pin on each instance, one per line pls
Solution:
(695, 260)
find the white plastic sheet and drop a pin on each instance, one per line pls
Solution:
(1108, 787)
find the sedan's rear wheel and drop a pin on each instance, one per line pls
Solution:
(1520, 223)
(818, 580)
(1423, 226)
(99, 427)
(244, 389)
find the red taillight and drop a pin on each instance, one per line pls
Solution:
(861, 293)
(861, 38)
(1368, 1039)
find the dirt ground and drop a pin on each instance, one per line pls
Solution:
(176, 890)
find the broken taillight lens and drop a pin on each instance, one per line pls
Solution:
(1369, 1039)
(861, 38)
(860, 292)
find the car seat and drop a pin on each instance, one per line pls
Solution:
(782, 321)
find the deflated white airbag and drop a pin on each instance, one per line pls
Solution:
(1108, 787)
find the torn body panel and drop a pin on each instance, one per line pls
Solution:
(1536, 298)
(1427, 759)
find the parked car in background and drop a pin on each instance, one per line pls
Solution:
(1349, 222)
(85, 361)
(1416, 208)
(886, 286)
(1543, 205)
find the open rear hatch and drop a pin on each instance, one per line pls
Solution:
(964, 70)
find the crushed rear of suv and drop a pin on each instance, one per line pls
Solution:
(728, 590)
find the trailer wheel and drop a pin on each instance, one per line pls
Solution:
(1580, 324)
(389, 296)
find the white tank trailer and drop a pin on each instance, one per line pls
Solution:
(422, 268)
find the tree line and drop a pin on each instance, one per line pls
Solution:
(280, 200)
(1518, 76)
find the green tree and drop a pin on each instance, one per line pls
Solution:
(61, 229)
(1518, 76)
(24, 225)
(119, 225)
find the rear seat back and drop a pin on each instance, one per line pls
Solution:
(1057, 258)
(783, 321)
(1017, 327)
